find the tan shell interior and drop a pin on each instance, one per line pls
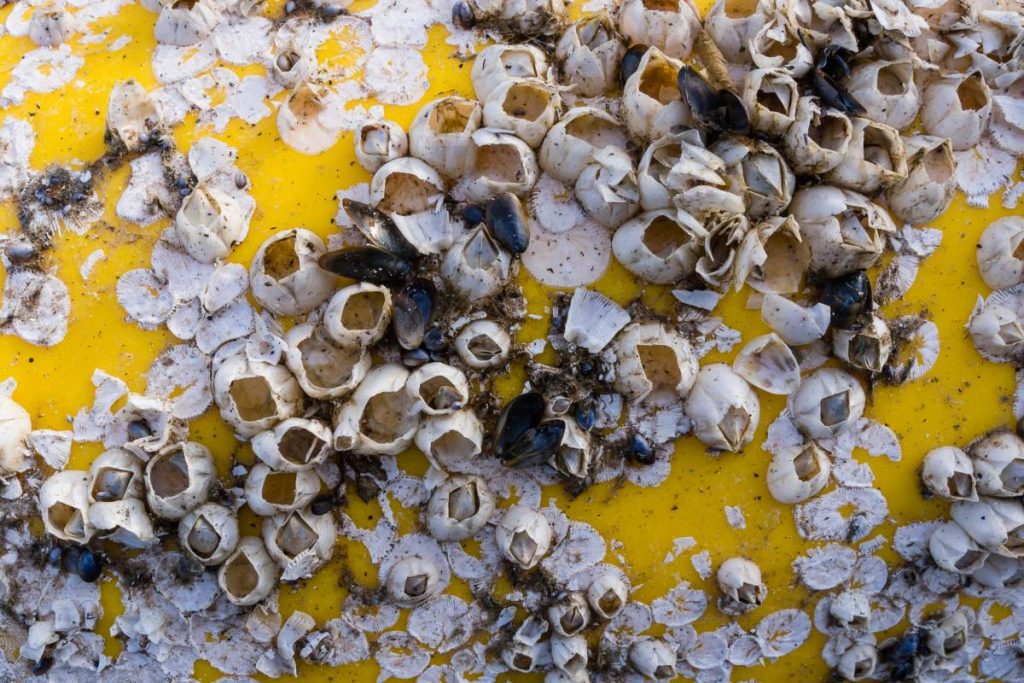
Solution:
(439, 393)
(305, 104)
(806, 464)
(386, 416)
(327, 365)
(891, 79)
(169, 475)
(526, 101)
(829, 131)
(452, 446)
(67, 518)
(500, 162)
(971, 93)
(374, 139)
(518, 63)
(300, 446)
(658, 81)
(662, 5)
(203, 538)
(279, 488)
(463, 502)
(295, 536)
(880, 148)
(363, 310)
(660, 366)
(596, 131)
(451, 116)
(406, 194)
(240, 576)
(663, 237)
(280, 259)
(253, 398)
(787, 261)
(738, 9)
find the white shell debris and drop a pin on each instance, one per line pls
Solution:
(593, 320)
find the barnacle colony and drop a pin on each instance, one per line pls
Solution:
(798, 148)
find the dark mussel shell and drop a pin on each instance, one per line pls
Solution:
(630, 62)
(472, 215)
(367, 264)
(379, 229)
(462, 15)
(829, 76)
(640, 451)
(833, 60)
(519, 415)
(717, 110)
(849, 297)
(506, 220)
(89, 566)
(413, 311)
(536, 445)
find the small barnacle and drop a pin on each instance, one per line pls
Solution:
(64, 506)
(858, 662)
(653, 658)
(322, 368)
(249, 574)
(378, 142)
(299, 541)
(997, 331)
(866, 347)
(768, 364)
(771, 96)
(679, 163)
(253, 395)
(496, 64)
(523, 536)
(185, 22)
(570, 614)
(955, 551)
(656, 248)
(450, 440)
(178, 479)
(497, 162)
(441, 134)
(380, 418)
(210, 223)
(413, 580)
(483, 344)
(268, 492)
(15, 424)
(670, 25)
(742, 589)
(777, 45)
(293, 445)
(588, 53)
(818, 139)
(949, 473)
(652, 106)
(476, 266)
(438, 389)
(957, 106)
(723, 408)
(999, 464)
(607, 188)
(569, 654)
(850, 610)
(654, 363)
(993, 523)
(876, 158)
(607, 595)
(950, 635)
(798, 473)
(887, 92)
(828, 403)
(930, 184)
(1000, 254)
(459, 508)
(571, 143)
(209, 533)
(358, 315)
(284, 274)
(526, 107)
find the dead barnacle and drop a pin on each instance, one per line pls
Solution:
(731, 24)
(570, 614)
(876, 158)
(290, 61)
(957, 106)
(674, 164)
(483, 344)
(64, 506)
(571, 143)
(358, 315)
(410, 192)
(720, 246)
(185, 22)
(497, 161)
(476, 266)
(133, 117)
(712, 110)
(652, 105)
(378, 142)
(758, 172)
(284, 275)
(858, 662)
(653, 658)
(866, 346)
(723, 408)
(178, 479)
(953, 550)
(438, 389)
(497, 64)
(999, 464)
(949, 473)
(828, 403)
(654, 363)
(768, 363)
(148, 423)
(523, 536)
(798, 473)
(588, 53)
(322, 368)
(656, 248)
(996, 331)
(573, 454)
(1000, 254)
(299, 541)
(380, 418)
(450, 440)
(670, 25)
(773, 257)
(607, 188)
(209, 533)
(210, 223)
(887, 92)
(249, 574)
(413, 580)
(526, 107)
(441, 134)
(930, 184)
(570, 655)
(413, 311)
(850, 610)
(951, 634)
(293, 445)
(742, 589)
(268, 492)
(818, 139)
(253, 395)
(770, 96)
(607, 595)
(995, 524)
(459, 508)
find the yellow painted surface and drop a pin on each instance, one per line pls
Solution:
(963, 396)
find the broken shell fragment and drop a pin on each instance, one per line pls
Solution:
(999, 464)
(653, 658)
(523, 536)
(570, 615)
(124, 521)
(299, 541)
(607, 188)
(249, 574)
(438, 389)
(293, 444)
(15, 424)
(798, 473)
(674, 164)
(305, 119)
(656, 248)
(133, 117)
(569, 654)
(818, 140)
(380, 418)
(588, 53)
(723, 408)
(450, 440)
(654, 364)
(268, 492)
(412, 581)
(607, 595)
(828, 403)
(358, 314)
(858, 662)
(209, 533)
(850, 610)
(571, 143)
(887, 92)
(178, 479)
(773, 257)
(670, 25)
(64, 506)
(322, 368)
(593, 320)
(949, 473)
(498, 161)
(732, 24)
(441, 134)
(795, 324)
(993, 523)
(957, 106)
(866, 347)
(652, 105)
(378, 142)
(285, 276)
(210, 223)
(253, 395)
(497, 64)
(526, 107)
(771, 97)
(459, 508)
(930, 184)
(1000, 253)
(768, 364)
(483, 344)
(185, 22)
(758, 172)
(742, 589)
(476, 266)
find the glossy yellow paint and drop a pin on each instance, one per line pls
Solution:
(962, 397)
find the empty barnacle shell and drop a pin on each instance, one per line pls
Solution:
(304, 119)
(957, 106)
(185, 22)
(1000, 253)
(521, 657)
(64, 506)
(378, 142)
(253, 395)
(768, 364)
(380, 418)
(410, 191)
(773, 257)
(1000, 572)
(776, 45)
(450, 440)
(367, 264)
(999, 464)
(656, 248)
(572, 456)
(949, 473)
(299, 541)
(459, 508)
(669, 25)
(955, 551)
(50, 26)
(115, 475)
(673, 164)
(570, 614)
(828, 403)
(358, 314)
(506, 221)
(526, 107)
(413, 580)
(742, 589)
(15, 424)
(498, 161)
(770, 96)
(413, 311)
(850, 609)
(210, 223)
(876, 158)
(593, 320)
(795, 324)
(996, 331)
(285, 276)
(993, 523)
(293, 444)
(209, 533)
(844, 230)
(322, 368)
(441, 134)
(438, 389)
(133, 116)
(950, 635)
(607, 595)
(653, 658)
(858, 662)
(571, 143)
(725, 234)
(268, 492)
(798, 473)
(758, 172)
(483, 344)
(887, 92)
(930, 184)
(652, 105)
(723, 408)
(147, 423)
(249, 574)
(731, 24)
(607, 188)
(124, 521)
(178, 479)
(476, 266)
(496, 64)
(866, 346)
(569, 654)
(588, 53)
(654, 363)
(818, 139)
(523, 535)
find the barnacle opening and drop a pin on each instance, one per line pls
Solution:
(665, 672)
(594, 130)
(500, 162)
(522, 661)
(439, 393)
(891, 79)
(572, 619)
(880, 147)
(594, 32)
(786, 49)
(526, 101)
(523, 548)
(453, 446)
(286, 61)
(111, 484)
(740, 9)
(954, 642)
(374, 139)
(464, 502)
(863, 667)
(609, 602)
(305, 104)
(865, 351)
(662, 5)
(1011, 333)
(299, 446)
(68, 518)
(280, 259)
(806, 465)
(575, 665)
(1012, 475)
(240, 576)
(295, 536)
(278, 488)
(828, 131)
(184, 4)
(386, 416)
(734, 424)
(571, 460)
(660, 366)
(483, 347)
(749, 594)
(969, 559)
(961, 485)
(663, 237)
(451, 116)
(416, 586)
(406, 194)
(253, 398)
(169, 475)
(971, 93)
(658, 81)
(480, 251)
(326, 364)
(835, 409)
(203, 538)
(768, 97)
(363, 310)
(855, 228)
(518, 63)
(785, 262)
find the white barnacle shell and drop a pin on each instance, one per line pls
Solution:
(858, 662)
(607, 188)
(293, 445)
(570, 615)
(593, 320)
(652, 105)
(768, 364)
(358, 314)
(438, 388)
(828, 403)
(441, 133)
(178, 479)
(291, 61)
(527, 107)
(124, 521)
(996, 331)
(523, 536)
(887, 92)
(249, 574)
(571, 143)
(268, 492)
(413, 580)
(607, 594)
(796, 324)
(210, 223)
(673, 164)
(999, 464)
(654, 364)
(670, 25)
(771, 97)
(850, 609)
(990, 521)
(459, 508)
(951, 634)
(773, 257)
(498, 162)
(569, 654)
(450, 440)
(573, 455)
(185, 22)
(798, 473)
(380, 418)
(133, 116)
(723, 408)
(253, 395)
(845, 231)
(653, 658)
(284, 274)
(322, 368)
(999, 253)
(115, 475)
(588, 54)
(776, 45)
(876, 158)
(930, 183)
(378, 142)
(496, 64)
(742, 589)
(949, 473)
(299, 541)
(64, 506)
(153, 415)
(305, 120)
(15, 424)
(50, 26)
(818, 140)
(483, 344)
(953, 550)
(957, 106)
(476, 266)
(759, 173)
(1000, 572)
(866, 346)
(733, 24)
(209, 533)
(656, 248)
(410, 192)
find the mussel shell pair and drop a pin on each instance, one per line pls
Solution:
(413, 311)
(522, 437)
(387, 260)
(714, 110)
(848, 297)
(830, 73)
(505, 220)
